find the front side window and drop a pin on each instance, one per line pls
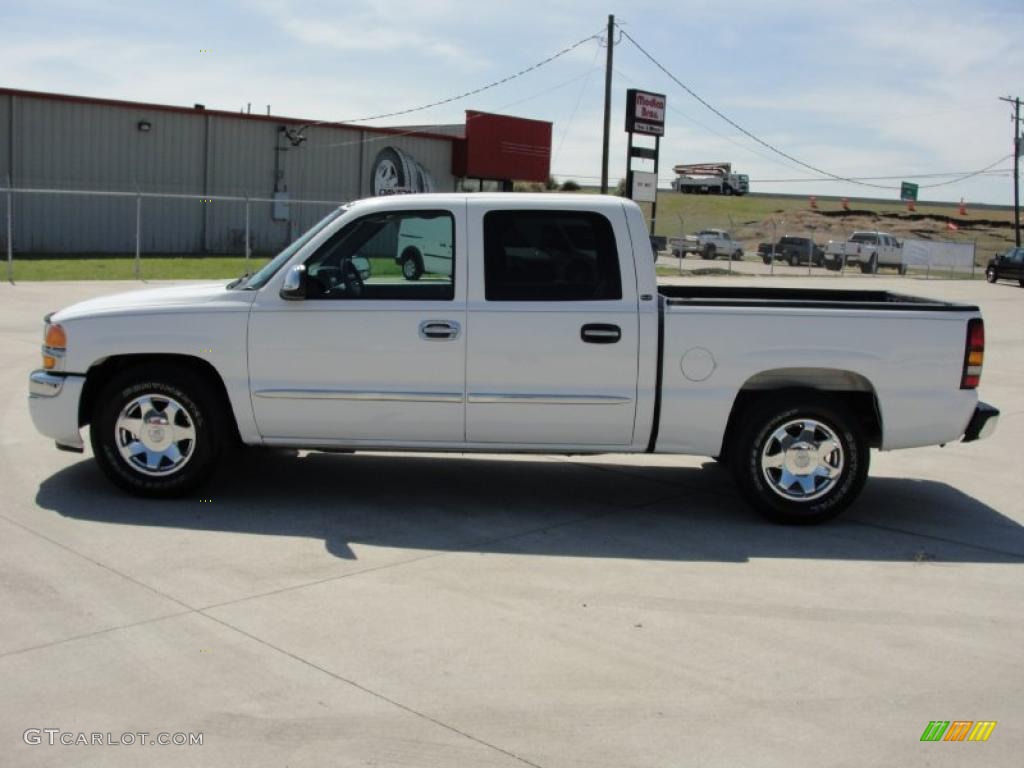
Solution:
(389, 255)
(550, 256)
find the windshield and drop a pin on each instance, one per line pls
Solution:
(260, 278)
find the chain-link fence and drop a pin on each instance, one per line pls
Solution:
(69, 225)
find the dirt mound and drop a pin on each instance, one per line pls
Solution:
(989, 235)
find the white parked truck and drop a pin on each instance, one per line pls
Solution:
(549, 335)
(708, 243)
(868, 250)
(710, 179)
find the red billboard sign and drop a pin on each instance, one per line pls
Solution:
(502, 147)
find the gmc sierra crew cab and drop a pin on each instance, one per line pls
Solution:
(548, 334)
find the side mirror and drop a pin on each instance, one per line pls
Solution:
(294, 286)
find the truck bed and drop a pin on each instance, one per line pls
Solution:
(823, 298)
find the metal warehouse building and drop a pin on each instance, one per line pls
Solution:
(159, 173)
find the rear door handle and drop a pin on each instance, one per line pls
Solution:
(439, 330)
(600, 333)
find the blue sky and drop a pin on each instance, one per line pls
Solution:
(856, 88)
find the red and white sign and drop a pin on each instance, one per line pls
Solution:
(645, 112)
(650, 108)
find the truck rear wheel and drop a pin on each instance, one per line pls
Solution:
(157, 431)
(709, 251)
(800, 458)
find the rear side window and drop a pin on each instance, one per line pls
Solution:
(550, 256)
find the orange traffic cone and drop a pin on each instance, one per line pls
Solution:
(846, 203)
(963, 207)
(911, 206)
(814, 203)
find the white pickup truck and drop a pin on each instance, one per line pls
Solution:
(549, 334)
(869, 250)
(708, 243)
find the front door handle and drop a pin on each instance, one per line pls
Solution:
(600, 333)
(440, 330)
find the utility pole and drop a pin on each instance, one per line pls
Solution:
(607, 105)
(1016, 164)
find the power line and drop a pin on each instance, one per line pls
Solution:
(739, 127)
(709, 129)
(450, 99)
(412, 131)
(988, 171)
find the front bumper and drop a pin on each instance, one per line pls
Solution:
(53, 404)
(982, 424)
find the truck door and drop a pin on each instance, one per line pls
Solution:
(552, 339)
(370, 354)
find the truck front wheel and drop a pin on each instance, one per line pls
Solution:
(155, 431)
(800, 458)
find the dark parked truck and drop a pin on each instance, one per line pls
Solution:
(1006, 266)
(792, 250)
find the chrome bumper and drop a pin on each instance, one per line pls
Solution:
(53, 404)
(982, 424)
(44, 384)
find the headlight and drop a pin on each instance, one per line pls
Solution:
(55, 343)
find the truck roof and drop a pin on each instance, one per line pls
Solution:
(516, 199)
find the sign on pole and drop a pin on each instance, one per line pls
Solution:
(908, 191)
(645, 112)
(645, 187)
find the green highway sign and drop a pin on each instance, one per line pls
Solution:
(908, 191)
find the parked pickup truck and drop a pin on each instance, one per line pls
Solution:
(792, 250)
(709, 243)
(548, 335)
(870, 250)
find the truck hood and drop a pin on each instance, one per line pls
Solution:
(176, 298)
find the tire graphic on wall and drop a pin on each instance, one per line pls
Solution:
(395, 172)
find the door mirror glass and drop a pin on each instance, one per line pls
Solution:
(294, 286)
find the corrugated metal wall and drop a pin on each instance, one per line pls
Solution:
(52, 143)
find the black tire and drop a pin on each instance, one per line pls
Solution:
(902, 269)
(709, 252)
(758, 427)
(412, 264)
(990, 275)
(767, 259)
(203, 410)
(794, 260)
(738, 255)
(872, 265)
(1021, 282)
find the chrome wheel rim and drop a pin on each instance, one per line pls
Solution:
(409, 268)
(155, 435)
(802, 460)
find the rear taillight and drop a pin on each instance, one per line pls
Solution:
(974, 354)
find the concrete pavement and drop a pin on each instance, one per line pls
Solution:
(475, 611)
